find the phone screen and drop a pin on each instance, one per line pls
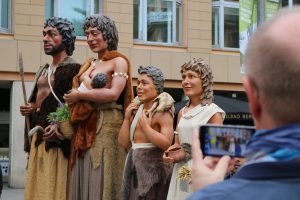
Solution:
(225, 140)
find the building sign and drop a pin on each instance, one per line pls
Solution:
(247, 25)
(272, 6)
(238, 116)
(248, 21)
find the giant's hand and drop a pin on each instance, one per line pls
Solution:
(145, 121)
(206, 171)
(27, 109)
(52, 133)
(168, 160)
(72, 96)
(130, 108)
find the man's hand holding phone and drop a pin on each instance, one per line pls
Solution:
(208, 170)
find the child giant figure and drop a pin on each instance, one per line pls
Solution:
(148, 133)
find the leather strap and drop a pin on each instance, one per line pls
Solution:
(134, 122)
(49, 82)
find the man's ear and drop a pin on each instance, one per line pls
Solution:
(253, 98)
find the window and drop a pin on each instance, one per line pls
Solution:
(158, 21)
(290, 3)
(225, 24)
(5, 16)
(75, 11)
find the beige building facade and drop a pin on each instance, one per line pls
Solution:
(25, 35)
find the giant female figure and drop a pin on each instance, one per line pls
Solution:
(97, 160)
(197, 86)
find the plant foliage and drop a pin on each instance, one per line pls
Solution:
(61, 114)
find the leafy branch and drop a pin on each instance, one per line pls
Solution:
(61, 114)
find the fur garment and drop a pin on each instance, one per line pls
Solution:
(62, 84)
(144, 169)
(163, 102)
(85, 116)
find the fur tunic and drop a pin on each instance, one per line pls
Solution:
(146, 175)
(63, 76)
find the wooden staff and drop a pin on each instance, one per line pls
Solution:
(23, 87)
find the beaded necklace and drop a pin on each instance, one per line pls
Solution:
(185, 116)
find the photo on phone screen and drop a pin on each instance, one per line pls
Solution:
(218, 140)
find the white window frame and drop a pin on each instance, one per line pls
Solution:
(142, 28)
(8, 29)
(220, 5)
(89, 8)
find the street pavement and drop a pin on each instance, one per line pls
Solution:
(12, 193)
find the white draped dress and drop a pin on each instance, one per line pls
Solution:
(181, 189)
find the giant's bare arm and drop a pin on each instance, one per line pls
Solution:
(102, 95)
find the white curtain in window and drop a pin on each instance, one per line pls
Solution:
(157, 21)
(74, 10)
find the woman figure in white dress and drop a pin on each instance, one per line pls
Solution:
(197, 86)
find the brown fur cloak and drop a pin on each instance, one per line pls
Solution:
(85, 115)
(62, 84)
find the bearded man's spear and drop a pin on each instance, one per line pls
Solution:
(23, 88)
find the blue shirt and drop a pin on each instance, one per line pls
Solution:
(257, 181)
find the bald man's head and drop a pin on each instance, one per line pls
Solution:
(272, 61)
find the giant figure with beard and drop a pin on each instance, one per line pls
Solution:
(48, 149)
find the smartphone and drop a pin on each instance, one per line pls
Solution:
(220, 140)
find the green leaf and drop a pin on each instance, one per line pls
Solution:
(62, 113)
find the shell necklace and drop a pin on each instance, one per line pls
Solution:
(185, 116)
